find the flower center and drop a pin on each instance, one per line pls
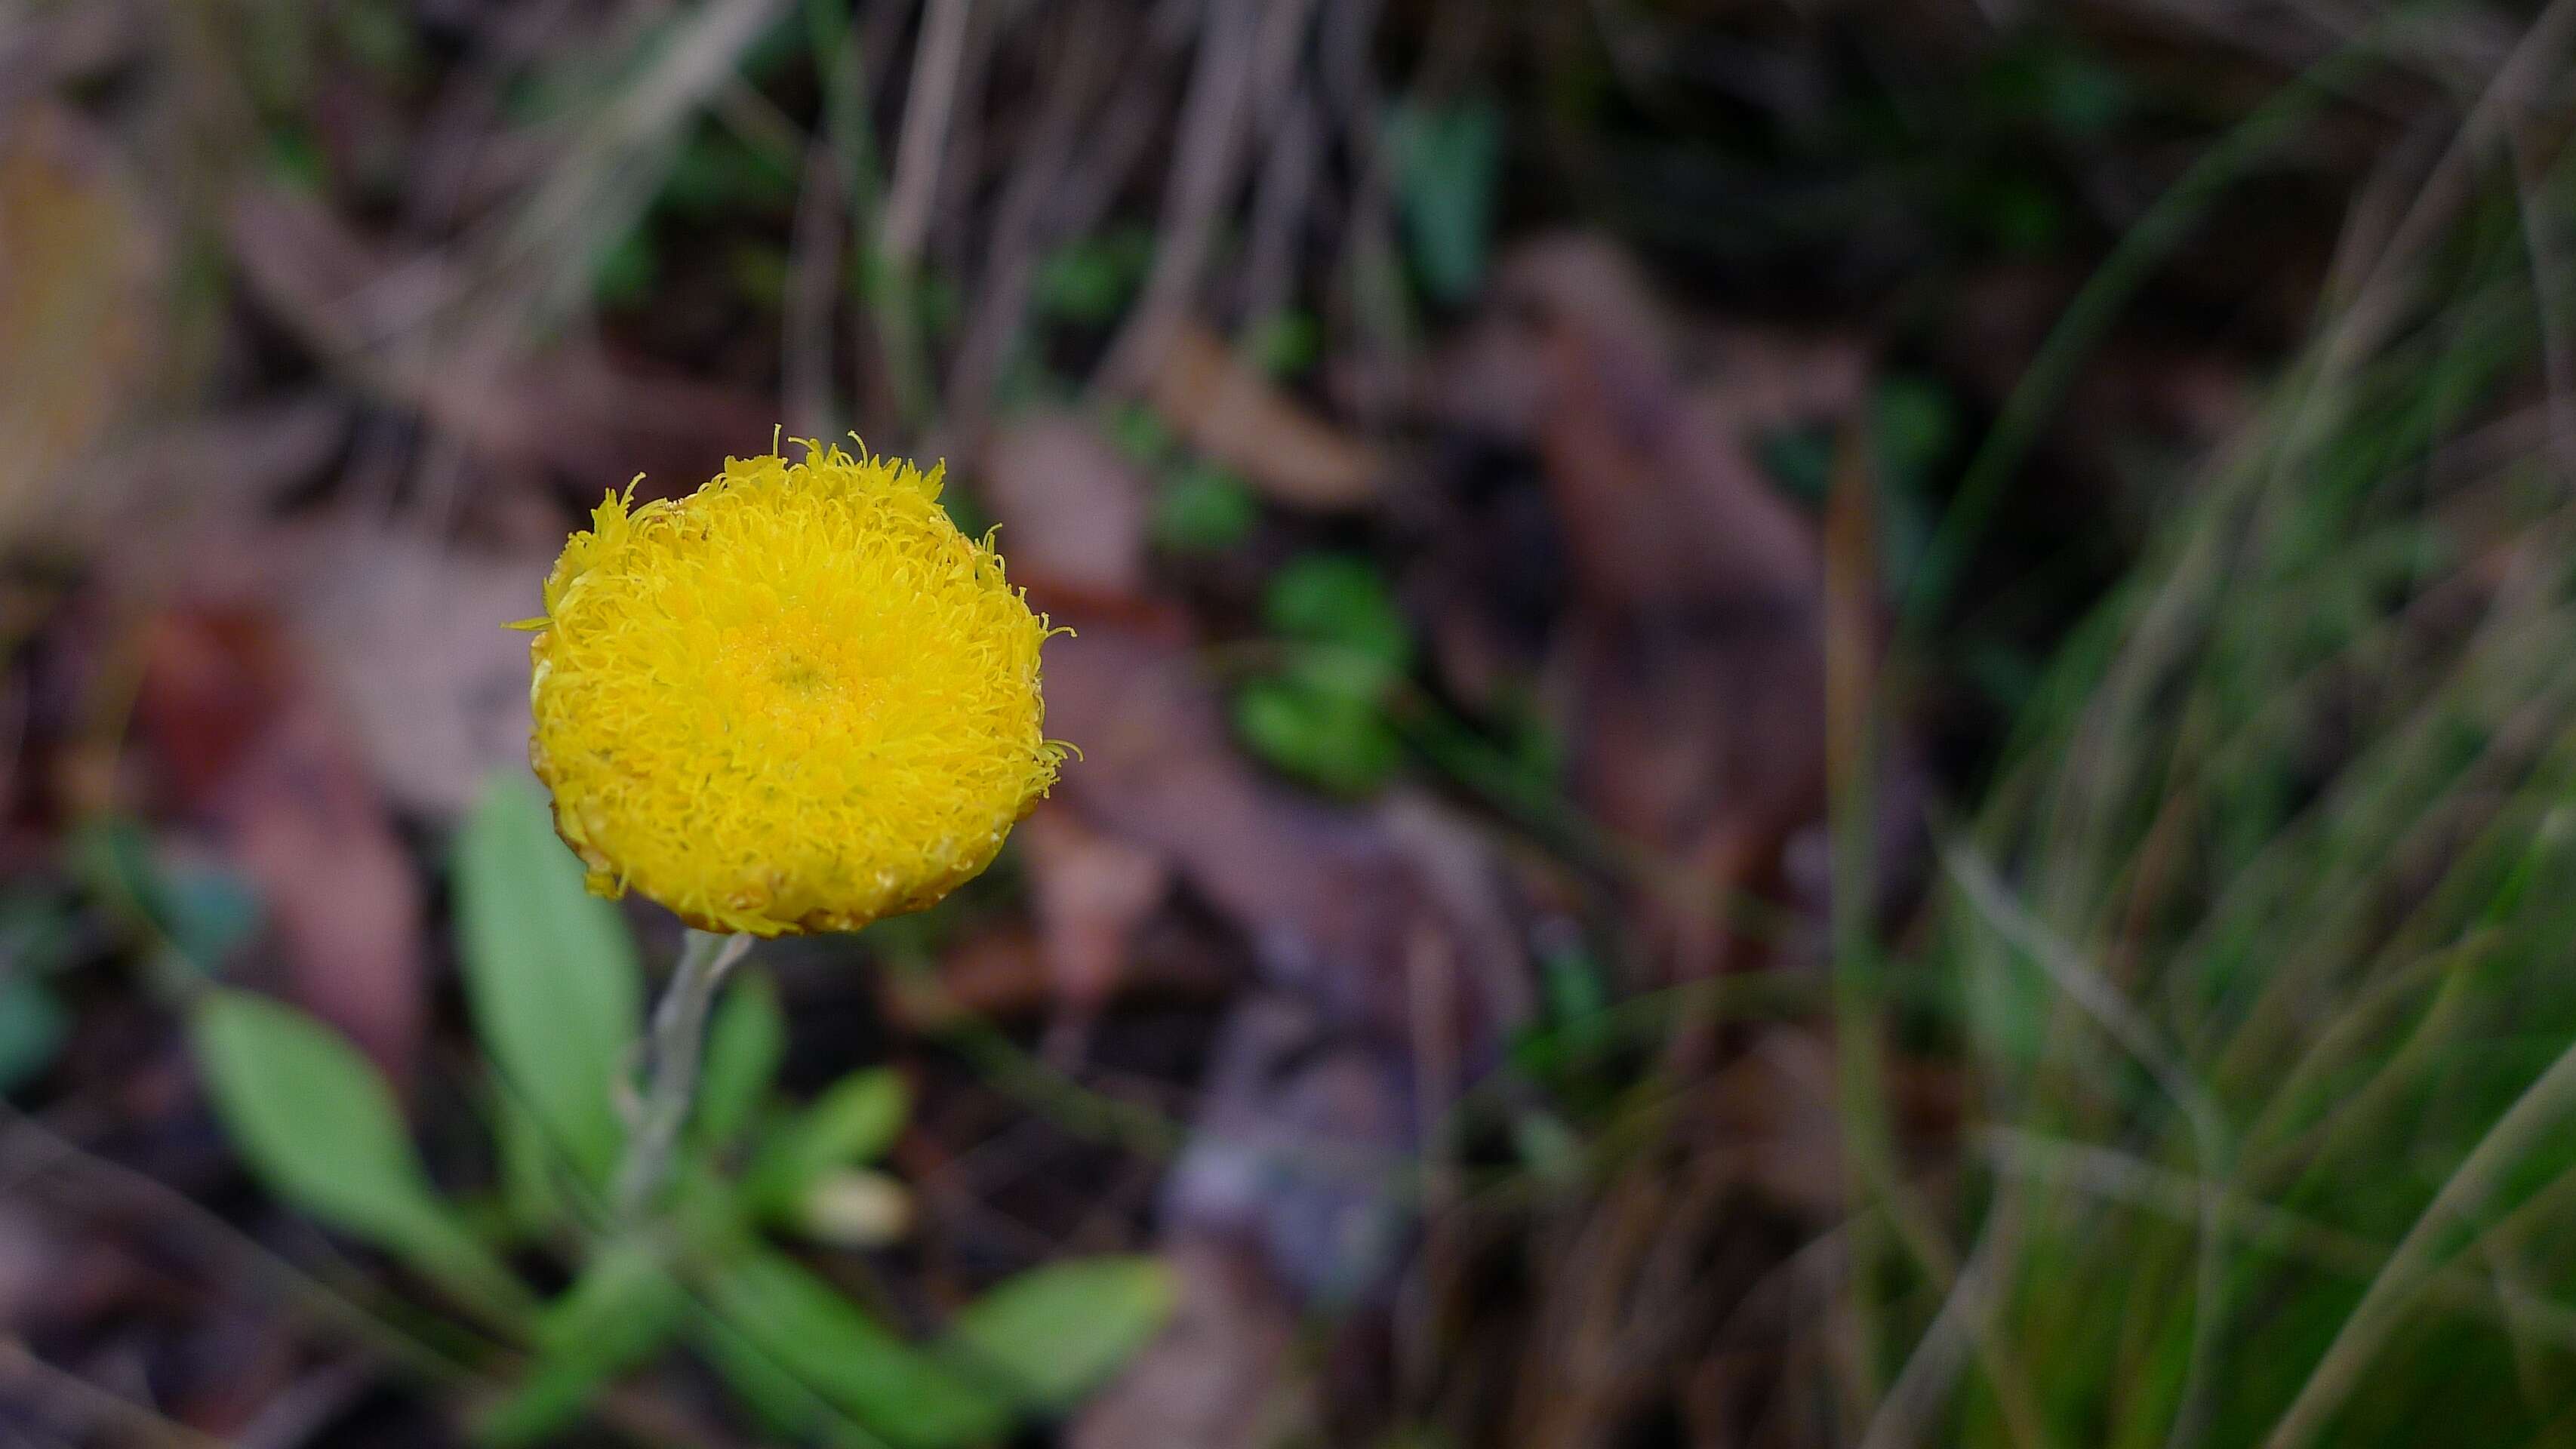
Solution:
(799, 675)
(793, 675)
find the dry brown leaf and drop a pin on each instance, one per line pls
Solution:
(1657, 491)
(1386, 966)
(80, 281)
(1094, 891)
(1323, 894)
(995, 973)
(250, 751)
(1075, 506)
(403, 327)
(1373, 932)
(1234, 415)
(184, 476)
(413, 640)
(1688, 670)
(1304, 1142)
(407, 637)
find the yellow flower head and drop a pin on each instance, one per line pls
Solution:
(796, 700)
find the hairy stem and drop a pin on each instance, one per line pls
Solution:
(679, 1030)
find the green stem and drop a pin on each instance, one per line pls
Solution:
(679, 1031)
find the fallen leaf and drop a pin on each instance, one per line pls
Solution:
(1235, 416)
(1094, 891)
(413, 642)
(182, 477)
(408, 637)
(402, 325)
(250, 751)
(1687, 669)
(1004, 972)
(1376, 933)
(29, 1252)
(1775, 1113)
(1076, 507)
(1302, 1144)
(1324, 895)
(1371, 936)
(1660, 498)
(80, 279)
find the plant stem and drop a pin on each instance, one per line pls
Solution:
(679, 1029)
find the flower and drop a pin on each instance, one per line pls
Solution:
(796, 700)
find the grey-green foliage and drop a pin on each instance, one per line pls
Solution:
(550, 973)
(854, 1363)
(620, 1312)
(555, 986)
(1052, 1334)
(318, 1123)
(853, 1122)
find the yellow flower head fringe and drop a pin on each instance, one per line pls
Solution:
(796, 700)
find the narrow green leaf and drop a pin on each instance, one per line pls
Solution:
(315, 1121)
(744, 1048)
(1054, 1334)
(853, 1122)
(621, 1311)
(534, 1175)
(785, 1406)
(804, 1327)
(550, 972)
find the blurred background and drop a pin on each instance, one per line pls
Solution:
(1804, 722)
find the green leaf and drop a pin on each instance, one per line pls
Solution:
(199, 913)
(1141, 434)
(311, 1116)
(744, 1048)
(317, 1124)
(1321, 718)
(802, 1326)
(208, 912)
(533, 1186)
(853, 1122)
(550, 973)
(717, 173)
(623, 272)
(621, 1310)
(1206, 509)
(32, 1027)
(1286, 344)
(1318, 732)
(1446, 160)
(1087, 282)
(1054, 1334)
(1342, 601)
(784, 1404)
